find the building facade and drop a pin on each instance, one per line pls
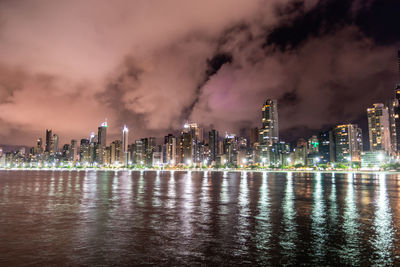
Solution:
(379, 128)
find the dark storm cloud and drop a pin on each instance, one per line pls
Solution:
(324, 18)
(376, 19)
(216, 62)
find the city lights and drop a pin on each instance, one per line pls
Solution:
(337, 148)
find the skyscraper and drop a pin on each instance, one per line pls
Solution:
(393, 121)
(39, 147)
(54, 144)
(269, 132)
(84, 151)
(102, 141)
(116, 152)
(170, 150)
(149, 147)
(230, 146)
(74, 150)
(378, 128)
(125, 132)
(49, 135)
(348, 143)
(213, 144)
(196, 138)
(326, 146)
(65, 152)
(254, 136)
(186, 148)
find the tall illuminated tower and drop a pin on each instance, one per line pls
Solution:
(125, 156)
(269, 132)
(378, 128)
(49, 136)
(102, 141)
(394, 114)
(54, 144)
(213, 144)
(348, 143)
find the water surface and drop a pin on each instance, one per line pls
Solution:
(198, 218)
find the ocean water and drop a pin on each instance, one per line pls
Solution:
(102, 218)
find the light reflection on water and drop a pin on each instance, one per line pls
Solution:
(318, 225)
(384, 237)
(263, 228)
(199, 218)
(289, 234)
(350, 250)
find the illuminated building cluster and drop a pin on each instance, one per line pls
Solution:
(338, 147)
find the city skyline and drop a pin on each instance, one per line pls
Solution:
(156, 72)
(210, 133)
(341, 146)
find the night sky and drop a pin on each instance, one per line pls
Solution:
(153, 65)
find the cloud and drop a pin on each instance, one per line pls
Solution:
(67, 65)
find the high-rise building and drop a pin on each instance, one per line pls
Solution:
(254, 136)
(93, 152)
(348, 143)
(300, 152)
(279, 154)
(137, 152)
(393, 119)
(125, 132)
(186, 148)
(230, 147)
(150, 147)
(39, 147)
(107, 156)
(313, 145)
(379, 128)
(394, 114)
(269, 132)
(326, 146)
(196, 134)
(213, 144)
(312, 151)
(54, 144)
(84, 151)
(73, 154)
(116, 152)
(102, 141)
(170, 150)
(195, 130)
(65, 152)
(49, 135)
